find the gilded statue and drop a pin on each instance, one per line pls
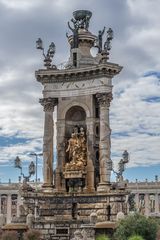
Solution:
(77, 151)
(72, 144)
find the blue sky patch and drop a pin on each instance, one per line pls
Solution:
(136, 173)
(153, 99)
(120, 134)
(152, 73)
(11, 140)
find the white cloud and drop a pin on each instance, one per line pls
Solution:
(139, 119)
(20, 4)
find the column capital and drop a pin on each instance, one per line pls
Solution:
(104, 99)
(48, 103)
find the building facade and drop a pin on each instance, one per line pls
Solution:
(10, 201)
(146, 196)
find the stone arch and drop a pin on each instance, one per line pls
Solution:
(75, 103)
(75, 117)
(75, 120)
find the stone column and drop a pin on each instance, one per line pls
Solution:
(147, 207)
(156, 203)
(137, 201)
(90, 167)
(48, 104)
(19, 202)
(104, 100)
(0, 203)
(60, 183)
(9, 206)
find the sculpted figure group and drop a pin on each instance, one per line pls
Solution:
(77, 150)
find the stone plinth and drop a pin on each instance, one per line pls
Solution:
(74, 174)
(15, 226)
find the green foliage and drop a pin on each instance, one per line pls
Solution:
(136, 224)
(102, 237)
(9, 235)
(32, 235)
(136, 237)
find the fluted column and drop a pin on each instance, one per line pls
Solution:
(0, 203)
(9, 208)
(105, 142)
(60, 183)
(137, 201)
(147, 207)
(156, 203)
(19, 202)
(48, 104)
(90, 166)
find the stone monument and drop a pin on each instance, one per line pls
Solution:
(78, 194)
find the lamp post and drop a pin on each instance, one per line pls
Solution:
(36, 155)
(49, 55)
(31, 168)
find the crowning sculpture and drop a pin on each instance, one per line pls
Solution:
(80, 21)
(78, 193)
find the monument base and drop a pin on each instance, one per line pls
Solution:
(104, 187)
(47, 187)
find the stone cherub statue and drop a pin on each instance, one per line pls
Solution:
(121, 166)
(77, 150)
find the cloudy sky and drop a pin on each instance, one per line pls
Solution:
(135, 109)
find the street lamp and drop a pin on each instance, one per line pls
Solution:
(36, 155)
(107, 46)
(31, 168)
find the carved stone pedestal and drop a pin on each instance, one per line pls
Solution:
(75, 180)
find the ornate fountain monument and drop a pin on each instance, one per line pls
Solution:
(78, 194)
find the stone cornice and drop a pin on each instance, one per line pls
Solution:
(77, 74)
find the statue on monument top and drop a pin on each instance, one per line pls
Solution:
(99, 43)
(80, 21)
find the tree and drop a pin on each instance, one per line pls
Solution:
(136, 237)
(32, 235)
(102, 237)
(136, 224)
(9, 235)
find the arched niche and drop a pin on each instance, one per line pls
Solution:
(75, 117)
